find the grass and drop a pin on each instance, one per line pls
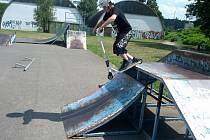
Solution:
(27, 34)
(148, 50)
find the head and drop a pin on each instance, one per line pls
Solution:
(105, 4)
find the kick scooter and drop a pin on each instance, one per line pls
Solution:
(106, 59)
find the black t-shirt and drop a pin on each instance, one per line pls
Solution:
(121, 24)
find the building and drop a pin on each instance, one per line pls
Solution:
(145, 23)
(75, 2)
(5, 1)
(19, 15)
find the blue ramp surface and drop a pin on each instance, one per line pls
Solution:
(101, 107)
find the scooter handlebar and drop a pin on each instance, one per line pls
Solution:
(99, 32)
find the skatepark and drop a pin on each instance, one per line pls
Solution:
(31, 100)
(39, 103)
(49, 91)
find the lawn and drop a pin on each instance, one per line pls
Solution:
(148, 50)
(27, 34)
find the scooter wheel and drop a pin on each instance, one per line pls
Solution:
(100, 86)
(110, 76)
(141, 61)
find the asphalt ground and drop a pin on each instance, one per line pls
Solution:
(3, 39)
(30, 101)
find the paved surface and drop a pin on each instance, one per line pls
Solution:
(30, 101)
(3, 39)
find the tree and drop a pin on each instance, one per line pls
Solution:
(200, 9)
(3, 7)
(153, 5)
(43, 14)
(87, 8)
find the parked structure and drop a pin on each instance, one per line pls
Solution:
(5, 1)
(19, 15)
(144, 21)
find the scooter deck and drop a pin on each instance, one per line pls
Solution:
(116, 71)
(132, 65)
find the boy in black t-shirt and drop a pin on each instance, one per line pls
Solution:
(117, 18)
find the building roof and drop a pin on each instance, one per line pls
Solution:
(128, 7)
(62, 3)
(135, 7)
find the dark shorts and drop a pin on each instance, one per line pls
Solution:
(119, 46)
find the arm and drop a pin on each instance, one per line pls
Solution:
(97, 25)
(108, 21)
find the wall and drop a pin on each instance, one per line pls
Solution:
(144, 23)
(19, 16)
(5, 1)
(144, 27)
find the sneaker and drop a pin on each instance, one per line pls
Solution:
(135, 60)
(125, 64)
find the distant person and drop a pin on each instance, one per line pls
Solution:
(12, 39)
(120, 24)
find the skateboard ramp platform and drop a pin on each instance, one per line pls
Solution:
(44, 41)
(101, 107)
(190, 89)
(4, 39)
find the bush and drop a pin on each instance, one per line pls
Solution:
(3, 6)
(195, 40)
(192, 36)
(172, 36)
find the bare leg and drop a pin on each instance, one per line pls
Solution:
(124, 56)
(129, 56)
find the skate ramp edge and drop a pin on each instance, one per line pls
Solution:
(102, 106)
(44, 41)
(189, 90)
(194, 61)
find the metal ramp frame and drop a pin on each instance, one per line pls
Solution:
(105, 104)
(189, 89)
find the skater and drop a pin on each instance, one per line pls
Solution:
(120, 24)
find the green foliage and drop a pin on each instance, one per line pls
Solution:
(87, 8)
(172, 36)
(3, 7)
(201, 9)
(192, 36)
(43, 14)
(153, 5)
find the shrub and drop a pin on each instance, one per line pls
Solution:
(172, 36)
(3, 6)
(192, 36)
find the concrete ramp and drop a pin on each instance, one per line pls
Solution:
(44, 41)
(190, 91)
(4, 39)
(101, 107)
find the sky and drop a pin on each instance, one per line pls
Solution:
(171, 8)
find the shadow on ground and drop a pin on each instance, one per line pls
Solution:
(29, 115)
